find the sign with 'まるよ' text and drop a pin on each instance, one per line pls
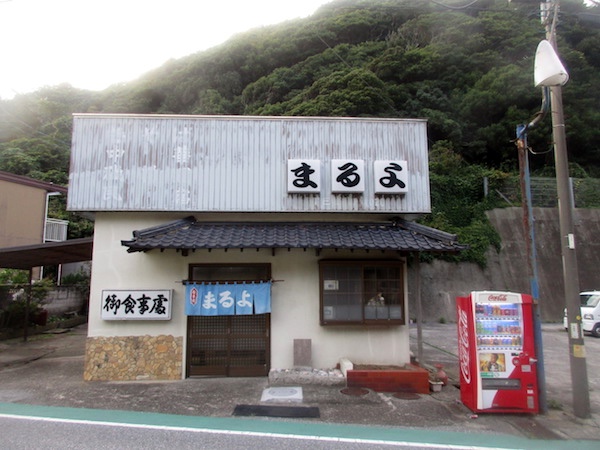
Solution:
(228, 299)
(348, 176)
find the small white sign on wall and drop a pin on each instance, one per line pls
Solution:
(331, 285)
(391, 177)
(304, 176)
(137, 304)
(347, 176)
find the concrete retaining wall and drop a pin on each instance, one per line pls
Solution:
(442, 282)
(65, 299)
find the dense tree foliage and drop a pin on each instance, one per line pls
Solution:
(467, 69)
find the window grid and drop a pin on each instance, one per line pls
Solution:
(362, 292)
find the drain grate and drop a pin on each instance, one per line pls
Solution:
(277, 411)
(406, 395)
(285, 394)
(355, 392)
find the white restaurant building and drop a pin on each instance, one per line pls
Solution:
(221, 242)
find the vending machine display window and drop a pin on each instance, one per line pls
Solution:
(498, 327)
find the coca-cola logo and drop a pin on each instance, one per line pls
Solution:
(497, 297)
(463, 345)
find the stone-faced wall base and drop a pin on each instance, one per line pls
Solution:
(128, 358)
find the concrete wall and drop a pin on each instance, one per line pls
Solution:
(295, 302)
(295, 297)
(442, 282)
(65, 299)
(22, 214)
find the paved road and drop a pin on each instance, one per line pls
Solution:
(440, 346)
(26, 427)
(58, 434)
(48, 382)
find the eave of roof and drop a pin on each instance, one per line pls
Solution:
(48, 254)
(26, 181)
(189, 234)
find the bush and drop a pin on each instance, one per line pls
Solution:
(80, 280)
(14, 314)
(14, 299)
(459, 203)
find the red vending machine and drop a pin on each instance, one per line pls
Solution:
(496, 349)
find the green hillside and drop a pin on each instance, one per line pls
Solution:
(468, 70)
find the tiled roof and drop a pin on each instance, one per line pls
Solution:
(189, 234)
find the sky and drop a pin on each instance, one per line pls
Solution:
(92, 44)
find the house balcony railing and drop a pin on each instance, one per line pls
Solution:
(56, 230)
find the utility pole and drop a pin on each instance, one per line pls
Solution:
(579, 379)
(529, 234)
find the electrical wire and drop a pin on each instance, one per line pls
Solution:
(454, 7)
(385, 99)
(550, 149)
(17, 121)
(537, 118)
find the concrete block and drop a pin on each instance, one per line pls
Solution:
(302, 353)
(345, 366)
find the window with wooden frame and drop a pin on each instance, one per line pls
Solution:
(362, 292)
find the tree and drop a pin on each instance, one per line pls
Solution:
(467, 71)
(14, 160)
(355, 93)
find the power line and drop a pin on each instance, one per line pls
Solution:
(385, 99)
(454, 7)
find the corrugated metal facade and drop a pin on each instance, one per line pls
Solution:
(237, 163)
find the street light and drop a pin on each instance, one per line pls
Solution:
(549, 72)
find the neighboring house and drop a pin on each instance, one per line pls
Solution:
(235, 245)
(24, 212)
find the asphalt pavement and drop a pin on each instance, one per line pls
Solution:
(47, 371)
